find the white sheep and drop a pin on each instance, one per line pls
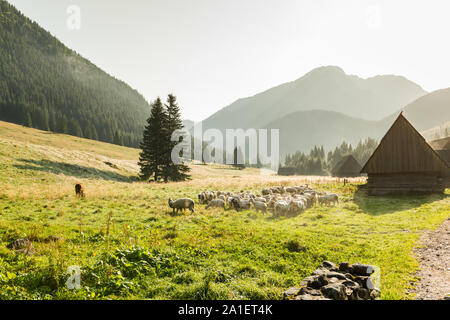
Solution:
(182, 204)
(216, 203)
(260, 206)
(281, 207)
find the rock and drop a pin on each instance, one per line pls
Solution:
(362, 269)
(320, 271)
(335, 291)
(365, 282)
(346, 282)
(344, 267)
(348, 291)
(315, 282)
(351, 284)
(310, 297)
(375, 293)
(332, 274)
(310, 291)
(328, 265)
(363, 294)
(291, 292)
(305, 281)
(332, 280)
(349, 276)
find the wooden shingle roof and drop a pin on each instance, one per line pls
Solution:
(441, 144)
(347, 165)
(404, 150)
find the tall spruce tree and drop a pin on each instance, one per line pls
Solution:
(154, 144)
(171, 171)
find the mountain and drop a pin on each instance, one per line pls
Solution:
(325, 88)
(429, 111)
(301, 131)
(48, 86)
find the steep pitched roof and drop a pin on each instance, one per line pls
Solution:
(347, 164)
(404, 150)
(441, 144)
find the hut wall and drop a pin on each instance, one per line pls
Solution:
(405, 183)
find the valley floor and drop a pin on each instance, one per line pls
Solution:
(129, 245)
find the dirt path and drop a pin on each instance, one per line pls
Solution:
(434, 259)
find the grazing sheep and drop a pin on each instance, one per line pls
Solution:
(202, 198)
(210, 195)
(182, 204)
(281, 207)
(239, 204)
(260, 199)
(216, 203)
(328, 199)
(332, 198)
(260, 206)
(267, 192)
(297, 206)
(79, 191)
(291, 190)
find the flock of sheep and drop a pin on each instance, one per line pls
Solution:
(283, 201)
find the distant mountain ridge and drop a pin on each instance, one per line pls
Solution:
(325, 88)
(304, 129)
(301, 131)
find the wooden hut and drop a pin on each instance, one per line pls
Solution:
(405, 163)
(441, 144)
(442, 147)
(348, 166)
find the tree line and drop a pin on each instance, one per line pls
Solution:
(317, 162)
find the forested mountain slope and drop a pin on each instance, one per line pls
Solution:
(45, 85)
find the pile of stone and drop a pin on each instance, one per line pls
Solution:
(333, 282)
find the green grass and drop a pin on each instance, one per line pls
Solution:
(151, 254)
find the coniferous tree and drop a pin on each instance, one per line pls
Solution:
(28, 121)
(237, 157)
(62, 125)
(171, 171)
(118, 138)
(154, 148)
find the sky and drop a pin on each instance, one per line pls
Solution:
(210, 53)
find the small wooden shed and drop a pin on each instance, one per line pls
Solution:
(441, 144)
(348, 166)
(442, 147)
(405, 163)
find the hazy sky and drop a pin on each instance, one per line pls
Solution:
(212, 52)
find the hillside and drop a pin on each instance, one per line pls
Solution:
(429, 111)
(325, 88)
(48, 86)
(301, 131)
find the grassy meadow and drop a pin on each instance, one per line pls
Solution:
(129, 245)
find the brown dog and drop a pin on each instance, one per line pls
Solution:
(79, 190)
